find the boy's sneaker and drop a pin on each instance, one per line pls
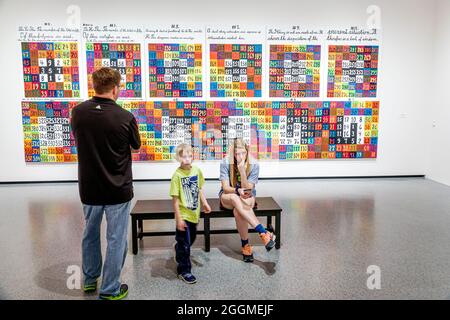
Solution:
(89, 288)
(268, 239)
(247, 254)
(188, 278)
(122, 294)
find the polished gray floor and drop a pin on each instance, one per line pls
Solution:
(333, 230)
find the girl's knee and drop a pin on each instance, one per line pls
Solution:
(236, 213)
(235, 199)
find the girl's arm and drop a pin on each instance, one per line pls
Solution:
(244, 185)
(226, 187)
(243, 173)
(244, 182)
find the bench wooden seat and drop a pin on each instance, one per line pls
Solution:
(163, 209)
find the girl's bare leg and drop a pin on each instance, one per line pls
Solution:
(245, 209)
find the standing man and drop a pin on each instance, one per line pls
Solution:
(104, 133)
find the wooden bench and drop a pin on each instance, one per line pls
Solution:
(163, 209)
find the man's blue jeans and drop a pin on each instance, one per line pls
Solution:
(116, 235)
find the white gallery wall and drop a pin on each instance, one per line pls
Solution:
(409, 31)
(439, 124)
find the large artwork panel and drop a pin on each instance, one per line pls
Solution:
(275, 130)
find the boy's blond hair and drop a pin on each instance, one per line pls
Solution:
(183, 147)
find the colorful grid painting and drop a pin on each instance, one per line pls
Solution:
(275, 130)
(175, 70)
(50, 69)
(47, 134)
(125, 57)
(235, 70)
(290, 130)
(352, 71)
(294, 71)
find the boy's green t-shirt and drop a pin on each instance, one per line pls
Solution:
(186, 186)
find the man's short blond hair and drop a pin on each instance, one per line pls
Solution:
(183, 147)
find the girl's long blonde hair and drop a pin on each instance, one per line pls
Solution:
(237, 143)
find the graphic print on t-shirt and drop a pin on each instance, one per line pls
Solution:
(190, 190)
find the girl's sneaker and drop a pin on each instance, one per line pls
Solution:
(268, 239)
(247, 254)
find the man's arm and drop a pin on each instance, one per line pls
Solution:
(135, 138)
(73, 124)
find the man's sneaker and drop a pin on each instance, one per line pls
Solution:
(188, 278)
(247, 254)
(122, 294)
(89, 288)
(268, 239)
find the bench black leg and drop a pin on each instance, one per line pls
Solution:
(278, 230)
(206, 227)
(269, 224)
(140, 229)
(134, 235)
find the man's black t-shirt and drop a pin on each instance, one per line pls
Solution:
(103, 134)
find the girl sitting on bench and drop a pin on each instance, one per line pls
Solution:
(238, 176)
